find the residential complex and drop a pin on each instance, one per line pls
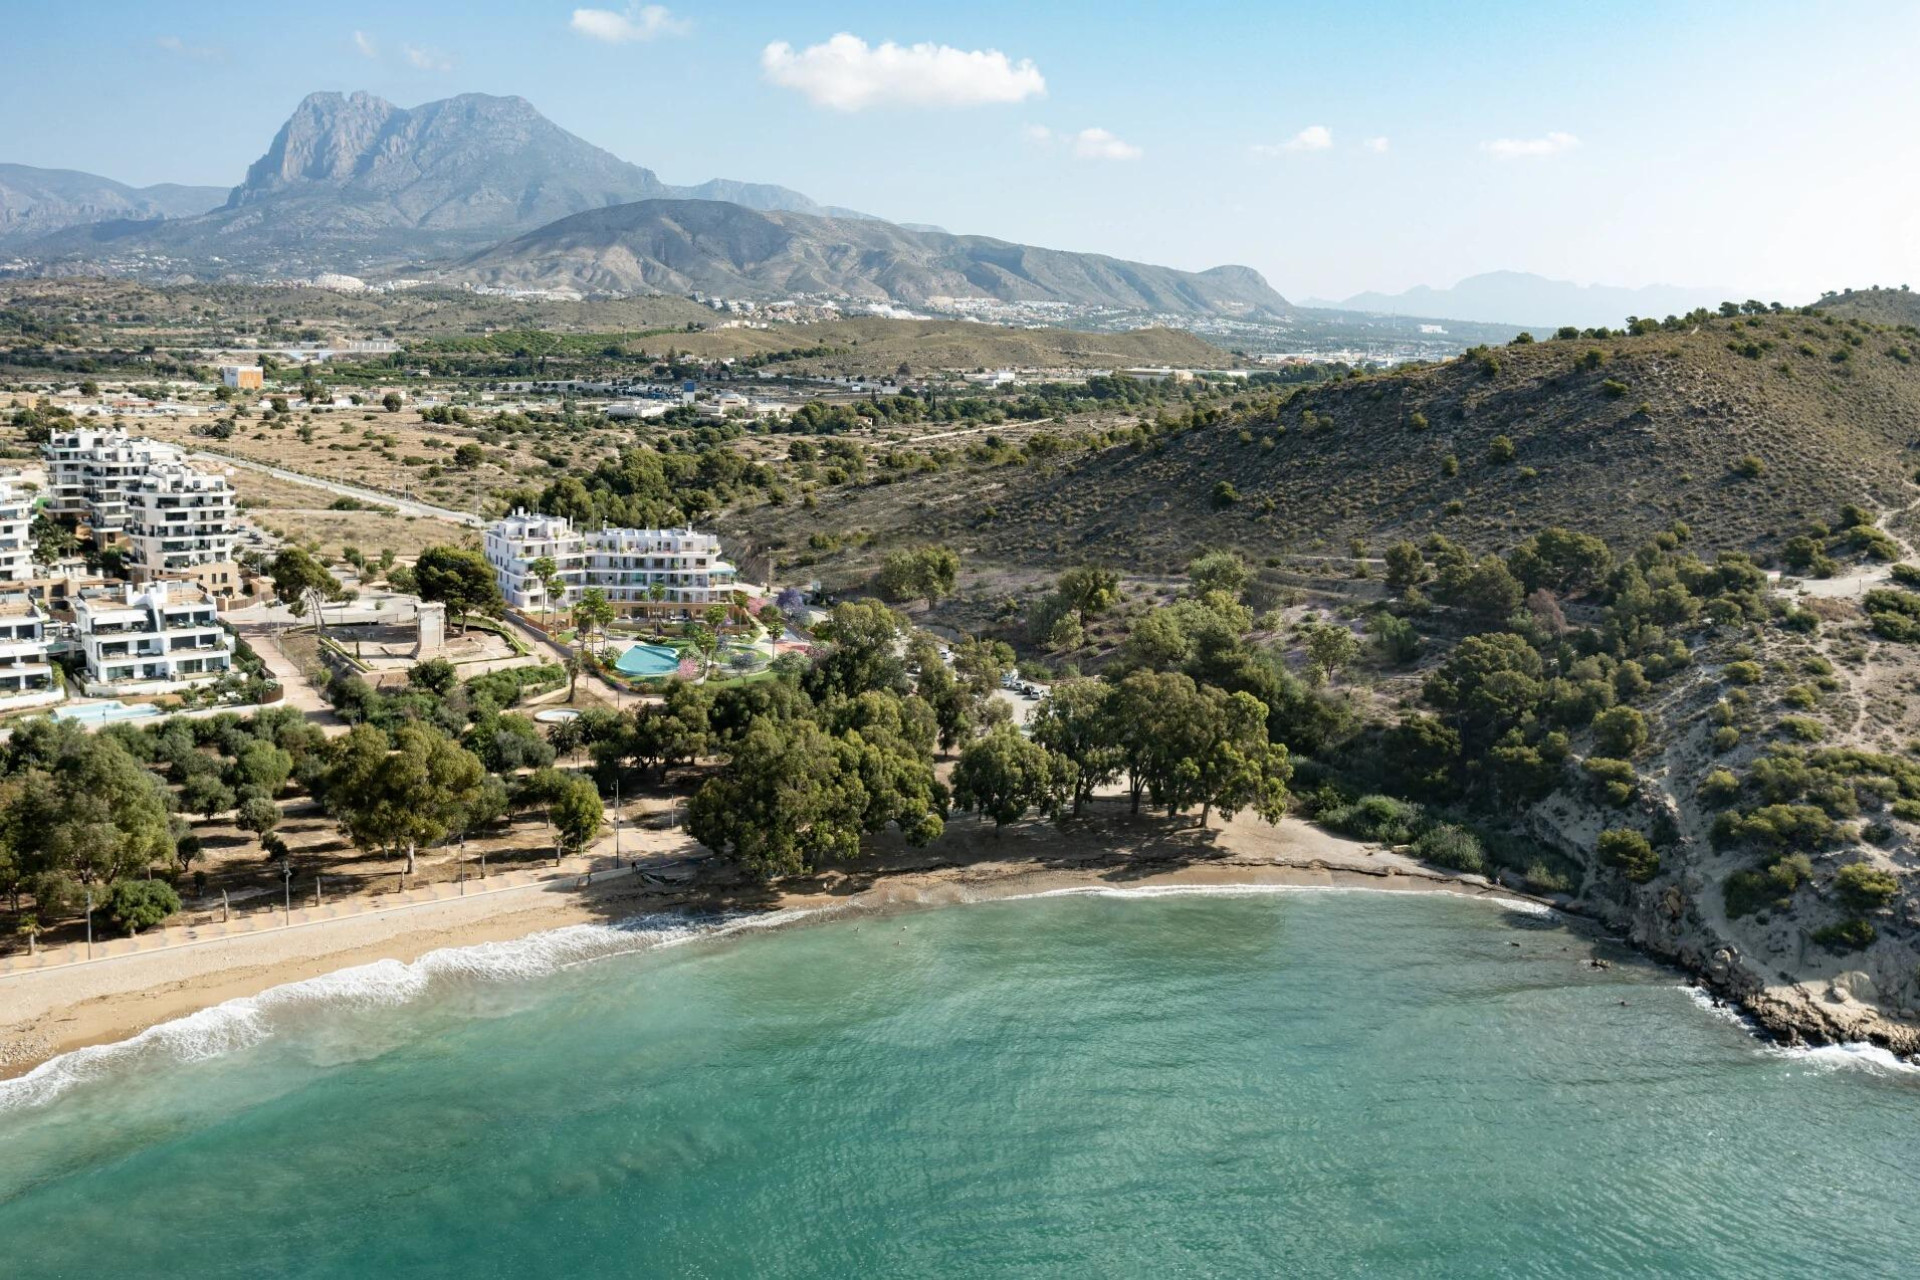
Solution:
(90, 468)
(675, 572)
(26, 676)
(158, 638)
(179, 521)
(16, 543)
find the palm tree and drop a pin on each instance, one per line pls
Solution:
(543, 571)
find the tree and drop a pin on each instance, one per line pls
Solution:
(546, 572)
(788, 799)
(460, 579)
(924, 573)
(1406, 567)
(258, 815)
(205, 794)
(1331, 648)
(141, 904)
(575, 813)
(1629, 851)
(1217, 571)
(395, 794)
(592, 612)
(1003, 775)
(468, 456)
(1865, 887)
(1620, 732)
(1075, 721)
(301, 582)
(391, 402)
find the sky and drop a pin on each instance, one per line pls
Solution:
(1763, 148)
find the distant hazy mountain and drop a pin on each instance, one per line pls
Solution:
(352, 180)
(675, 246)
(1516, 297)
(34, 202)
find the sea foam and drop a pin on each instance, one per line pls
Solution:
(1831, 1057)
(1523, 906)
(249, 1020)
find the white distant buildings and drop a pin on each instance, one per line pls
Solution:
(26, 675)
(243, 377)
(674, 572)
(16, 544)
(158, 638)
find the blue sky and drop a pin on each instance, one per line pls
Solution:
(1767, 148)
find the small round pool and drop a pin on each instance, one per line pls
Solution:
(556, 715)
(648, 660)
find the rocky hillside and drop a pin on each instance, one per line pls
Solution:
(673, 246)
(1744, 429)
(36, 202)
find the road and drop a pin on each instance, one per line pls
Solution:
(405, 506)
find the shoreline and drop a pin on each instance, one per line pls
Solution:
(54, 1012)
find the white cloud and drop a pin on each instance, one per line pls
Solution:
(1088, 144)
(847, 74)
(198, 52)
(427, 59)
(1552, 144)
(1098, 144)
(1377, 145)
(1315, 137)
(638, 23)
(364, 46)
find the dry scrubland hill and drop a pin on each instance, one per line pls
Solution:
(1876, 306)
(1656, 432)
(880, 346)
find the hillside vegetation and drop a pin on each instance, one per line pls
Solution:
(1745, 428)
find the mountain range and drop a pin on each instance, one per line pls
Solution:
(353, 184)
(681, 246)
(35, 202)
(1519, 297)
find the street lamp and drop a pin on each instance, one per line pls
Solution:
(286, 880)
(89, 924)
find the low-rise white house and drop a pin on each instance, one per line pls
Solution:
(158, 638)
(674, 572)
(16, 545)
(26, 676)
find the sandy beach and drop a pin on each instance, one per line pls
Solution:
(54, 1011)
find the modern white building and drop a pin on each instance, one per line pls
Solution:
(26, 676)
(676, 572)
(158, 638)
(178, 519)
(16, 543)
(90, 468)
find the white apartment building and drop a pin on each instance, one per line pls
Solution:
(158, 638)
(16, 545)
(684, 568)
(178, 519)
(90, 468)
(26, 675)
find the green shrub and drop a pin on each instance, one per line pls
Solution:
(1378, 818)
(1907, 574)
(1726, 739)
(1802, 728)
(1446, 845)
(1848, 935)
(1751, 467)
(1864, 887)
(1542, 878)
(1620, 731)
(1769, 887)
(1615, 779)
(1629, 852)
(1719, 786)
(141, 904)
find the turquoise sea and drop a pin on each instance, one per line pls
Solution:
(1198, 1084)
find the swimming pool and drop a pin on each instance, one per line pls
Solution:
(556, 715)
(112, 709)
(648, 660)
